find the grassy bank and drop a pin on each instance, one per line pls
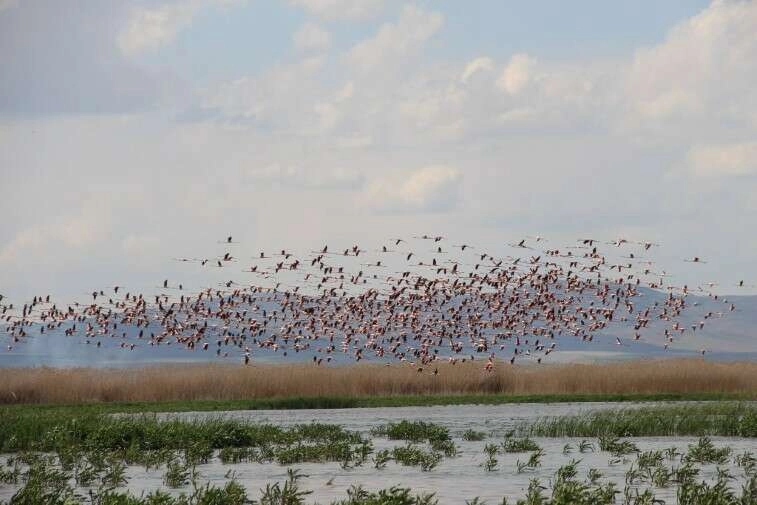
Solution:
(327, 402)
(306, 385)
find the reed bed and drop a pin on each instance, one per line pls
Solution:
(193, 382)
(731, 419)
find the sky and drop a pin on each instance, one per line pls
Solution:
(135, 132)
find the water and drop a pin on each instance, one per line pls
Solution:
(455, 479)
(495, 420)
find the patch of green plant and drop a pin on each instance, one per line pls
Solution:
(519, 445)
(704, 451)
(615, 446)
(649, 458)
(585, 446)
(288, 494)
(412, 455)
(44, 484)
(234, 455)
(413, 431)
(132, 435)
(473, 436)
(178, 473)
(720, 492)
(491, 450)
(747, 462)
(381, 458)
(396, 495)
(446, 447)
(532, 463)
(700, 419)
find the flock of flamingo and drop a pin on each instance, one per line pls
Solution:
(415, 300)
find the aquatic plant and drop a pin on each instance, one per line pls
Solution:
(381, 458)
(747, 462)
(490, 464)
(411, 455)
(585, 446)
(413, 431)
(533, 462)
(649, 458)
(473, 435)
(615, 446)
(178, 473)
(44, 483)
(446, 447)
(393, 496)
(519, 445)
(705, 452)
(713, 418)
(288, 494)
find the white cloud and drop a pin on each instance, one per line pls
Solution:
(723, 159)
(482, 64)
(341, 9)
(538, 143)
(137, 245)
(517, 74)
(307, 178)
(518, 114)
(428, 189)
(354, 141)
(312, 37)
(151, 28)
(347, 91)
(64, 234)
(395, 96)
(275, 99)
(703, 69)
(431, 112)
(395, 42)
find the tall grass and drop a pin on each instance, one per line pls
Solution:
(225, 382)
(717, 418)
(52, 431)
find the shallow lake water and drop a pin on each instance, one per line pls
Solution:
(497, 419)
(455, 479)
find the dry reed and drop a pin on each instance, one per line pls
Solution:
(224, 382)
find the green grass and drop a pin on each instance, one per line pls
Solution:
(98, 470)
(54, 428)
(473, 435)
(412, 431)
(719, 418)
(519, 445)
(411, 455)
(58, 430)
(326, 402)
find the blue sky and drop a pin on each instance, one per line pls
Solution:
(133, 132)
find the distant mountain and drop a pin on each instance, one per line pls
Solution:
(726, 335)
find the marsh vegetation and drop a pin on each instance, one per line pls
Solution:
(308, 386)
(65, 456)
